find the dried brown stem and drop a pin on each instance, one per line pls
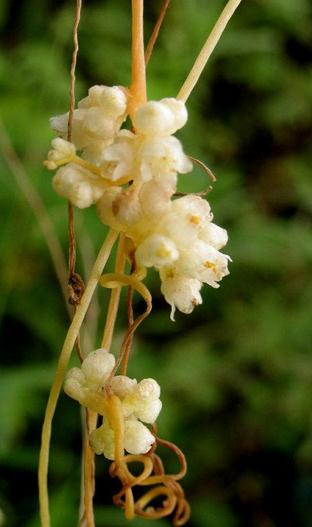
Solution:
(75, 283)
(155, 32)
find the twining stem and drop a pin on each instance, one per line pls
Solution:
(73, 70)
(61, 367)
(89, 468)
(155, 32)
(71, 226)
(114, 298)
(125, 360)
(138, 76)
(207, 49)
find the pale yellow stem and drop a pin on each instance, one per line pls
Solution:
(207, 49)
(114, 298)
(138, 73)
(61, 367)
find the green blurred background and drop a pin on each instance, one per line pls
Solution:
(236, 375)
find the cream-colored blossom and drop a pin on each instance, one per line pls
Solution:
(180, 291)
(163, 117)
(81, 383)
(95, 122)
(143, 401)
(140, 402)
(137, 439)
(77, 184)
(157, 251)
(60, 150)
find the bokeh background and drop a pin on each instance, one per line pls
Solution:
(236, 375)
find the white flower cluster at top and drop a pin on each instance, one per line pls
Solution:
(139, 401)
(176, 236)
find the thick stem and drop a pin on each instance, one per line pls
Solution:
(138, 77)
(61, 367)
(207, 49)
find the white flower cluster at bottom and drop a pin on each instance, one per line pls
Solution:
(140, 402)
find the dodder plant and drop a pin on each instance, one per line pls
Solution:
(131, 176)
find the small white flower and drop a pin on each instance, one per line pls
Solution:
(155, 195)
(80, 384)
(118, 158)
(180, 291)
(111, 99)
(102, 441)
(74, 384)
(122, 385)
(194, 209)
(178, 109)
(78, 185)
(157, 251)
(161, 156)
(95, 122)
(107, 207)
(213, 235)
(137, 439)
(61, 149)
(97, 366)
(163, 117)
(143, 401)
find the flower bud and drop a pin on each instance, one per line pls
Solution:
(97, 366)
(122, 385)
(138, 438)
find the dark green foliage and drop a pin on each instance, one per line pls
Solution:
(236, 375)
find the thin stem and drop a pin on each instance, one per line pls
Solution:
(138, 74)
(114, 298)
(71, 225)
(125, 360)
(207, 49)
(155, 32)
(89, 468)
(73, 70)
(61, 367)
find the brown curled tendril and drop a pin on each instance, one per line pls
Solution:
(164, 487)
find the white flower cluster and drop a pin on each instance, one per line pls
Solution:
(95, 122)
(184, 247)
(140, 402)
(176, 236)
